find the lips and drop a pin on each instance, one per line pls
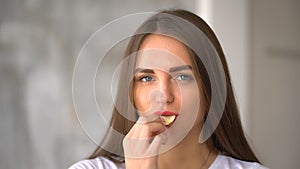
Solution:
(167, 117)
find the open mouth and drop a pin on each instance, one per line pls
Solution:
(168, 120)
(167, 117)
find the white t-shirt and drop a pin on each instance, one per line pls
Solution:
(221, 162)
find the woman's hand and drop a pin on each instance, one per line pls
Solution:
(141, 144)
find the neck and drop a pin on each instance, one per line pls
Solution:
(189, 153)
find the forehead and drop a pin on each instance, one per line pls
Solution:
(159, 51)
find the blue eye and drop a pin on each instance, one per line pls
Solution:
(146, 79)
(184, 77)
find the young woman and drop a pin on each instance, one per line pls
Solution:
(175, 106)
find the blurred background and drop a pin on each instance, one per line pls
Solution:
(40, 40)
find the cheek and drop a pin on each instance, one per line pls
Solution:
(192, 105)
(189, 102)
(141, 99)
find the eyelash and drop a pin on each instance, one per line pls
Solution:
(143, 78)
(179, 77)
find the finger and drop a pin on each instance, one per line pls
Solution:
(132, 131)
(143, 129)
(151, 129)
(147, 119)
(154, 147)
(138, 140)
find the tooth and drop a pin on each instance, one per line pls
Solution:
(167, 120)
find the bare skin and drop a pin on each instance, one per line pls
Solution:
(176, 84)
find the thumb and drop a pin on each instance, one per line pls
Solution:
(155, 145)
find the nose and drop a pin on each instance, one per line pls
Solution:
(163, 95)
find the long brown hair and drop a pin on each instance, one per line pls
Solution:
(228, 138)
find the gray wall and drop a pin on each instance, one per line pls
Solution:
(40, 40)
(275, 81)
(261, 40)
(39, 43)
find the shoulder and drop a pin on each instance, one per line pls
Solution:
(227, 162)
(97, 163)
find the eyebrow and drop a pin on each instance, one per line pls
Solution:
(179, 68)
(173, 69)
(141, 70)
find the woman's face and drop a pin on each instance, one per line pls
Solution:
(165, 81)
